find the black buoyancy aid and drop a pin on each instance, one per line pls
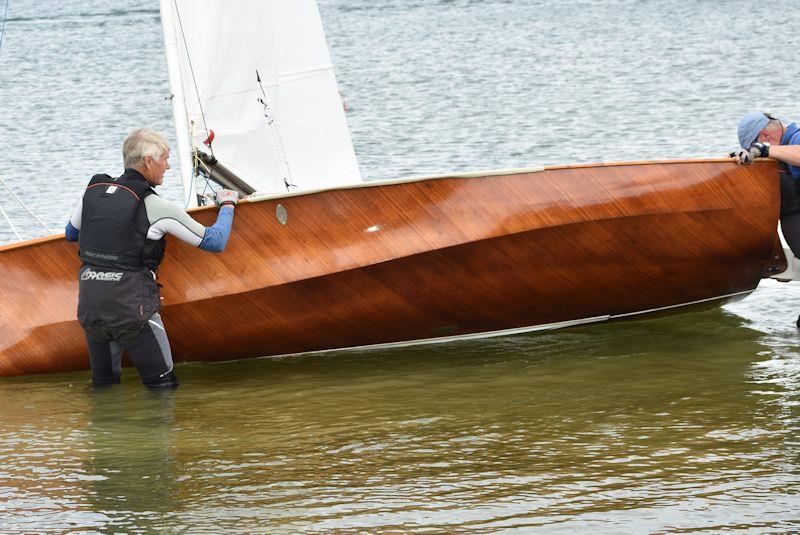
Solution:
(114, 224)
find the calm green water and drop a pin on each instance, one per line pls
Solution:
(682, 424)
(687, 423)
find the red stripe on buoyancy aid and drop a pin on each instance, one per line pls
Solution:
(117, 185)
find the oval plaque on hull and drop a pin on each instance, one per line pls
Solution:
(281, 214)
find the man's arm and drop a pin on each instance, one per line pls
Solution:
(786, 153)
(789, 154)
(216, 237)
(168, 218)
(73, 228)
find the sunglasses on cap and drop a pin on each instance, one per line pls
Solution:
(770, 118)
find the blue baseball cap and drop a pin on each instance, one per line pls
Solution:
(750, 126)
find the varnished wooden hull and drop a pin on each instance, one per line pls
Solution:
(419, 260)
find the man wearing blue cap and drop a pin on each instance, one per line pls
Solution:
(763, 136)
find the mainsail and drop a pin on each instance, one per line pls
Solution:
(286, 132)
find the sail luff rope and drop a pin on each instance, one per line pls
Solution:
(276, 141)
(191, 70)
(22, 204)
(3, 29)
(10, 224)
(280, 153)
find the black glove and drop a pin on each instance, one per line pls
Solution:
(761, 148)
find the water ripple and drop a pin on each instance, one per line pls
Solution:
(680, 424)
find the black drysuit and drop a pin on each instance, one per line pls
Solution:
(119, 297)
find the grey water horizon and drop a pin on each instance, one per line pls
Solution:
(686, 423)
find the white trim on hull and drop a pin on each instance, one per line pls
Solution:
(510, 332)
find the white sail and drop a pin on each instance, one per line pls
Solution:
(301, 136)
(178, 105)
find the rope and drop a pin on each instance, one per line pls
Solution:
(276, 141)
(19, 201)
(10, 224)
(279, 152)
(198, 162)
(2, 211)
(3, 29)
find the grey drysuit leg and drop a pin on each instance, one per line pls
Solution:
(149, 352)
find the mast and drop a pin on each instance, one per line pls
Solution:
(178, 103)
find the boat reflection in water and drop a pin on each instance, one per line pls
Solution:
(672, 423)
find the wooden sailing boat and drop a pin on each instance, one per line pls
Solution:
(339, 263)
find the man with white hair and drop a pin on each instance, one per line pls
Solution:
(763, 136)
(120, 225)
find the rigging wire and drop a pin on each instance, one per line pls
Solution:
(3, 29)
(198, 163)
(191, 70)
(22, 204)
(10, 224)
(2, 181)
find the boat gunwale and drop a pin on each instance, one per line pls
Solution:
(257, 198)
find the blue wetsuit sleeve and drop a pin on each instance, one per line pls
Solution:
(73, 228)
(216, 237)
(71, 233)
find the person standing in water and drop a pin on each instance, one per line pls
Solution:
(120, 224)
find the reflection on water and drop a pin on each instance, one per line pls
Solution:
(670, 424)
(131, 446)
(679, 424)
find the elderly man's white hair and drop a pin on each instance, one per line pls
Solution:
(141, 143)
